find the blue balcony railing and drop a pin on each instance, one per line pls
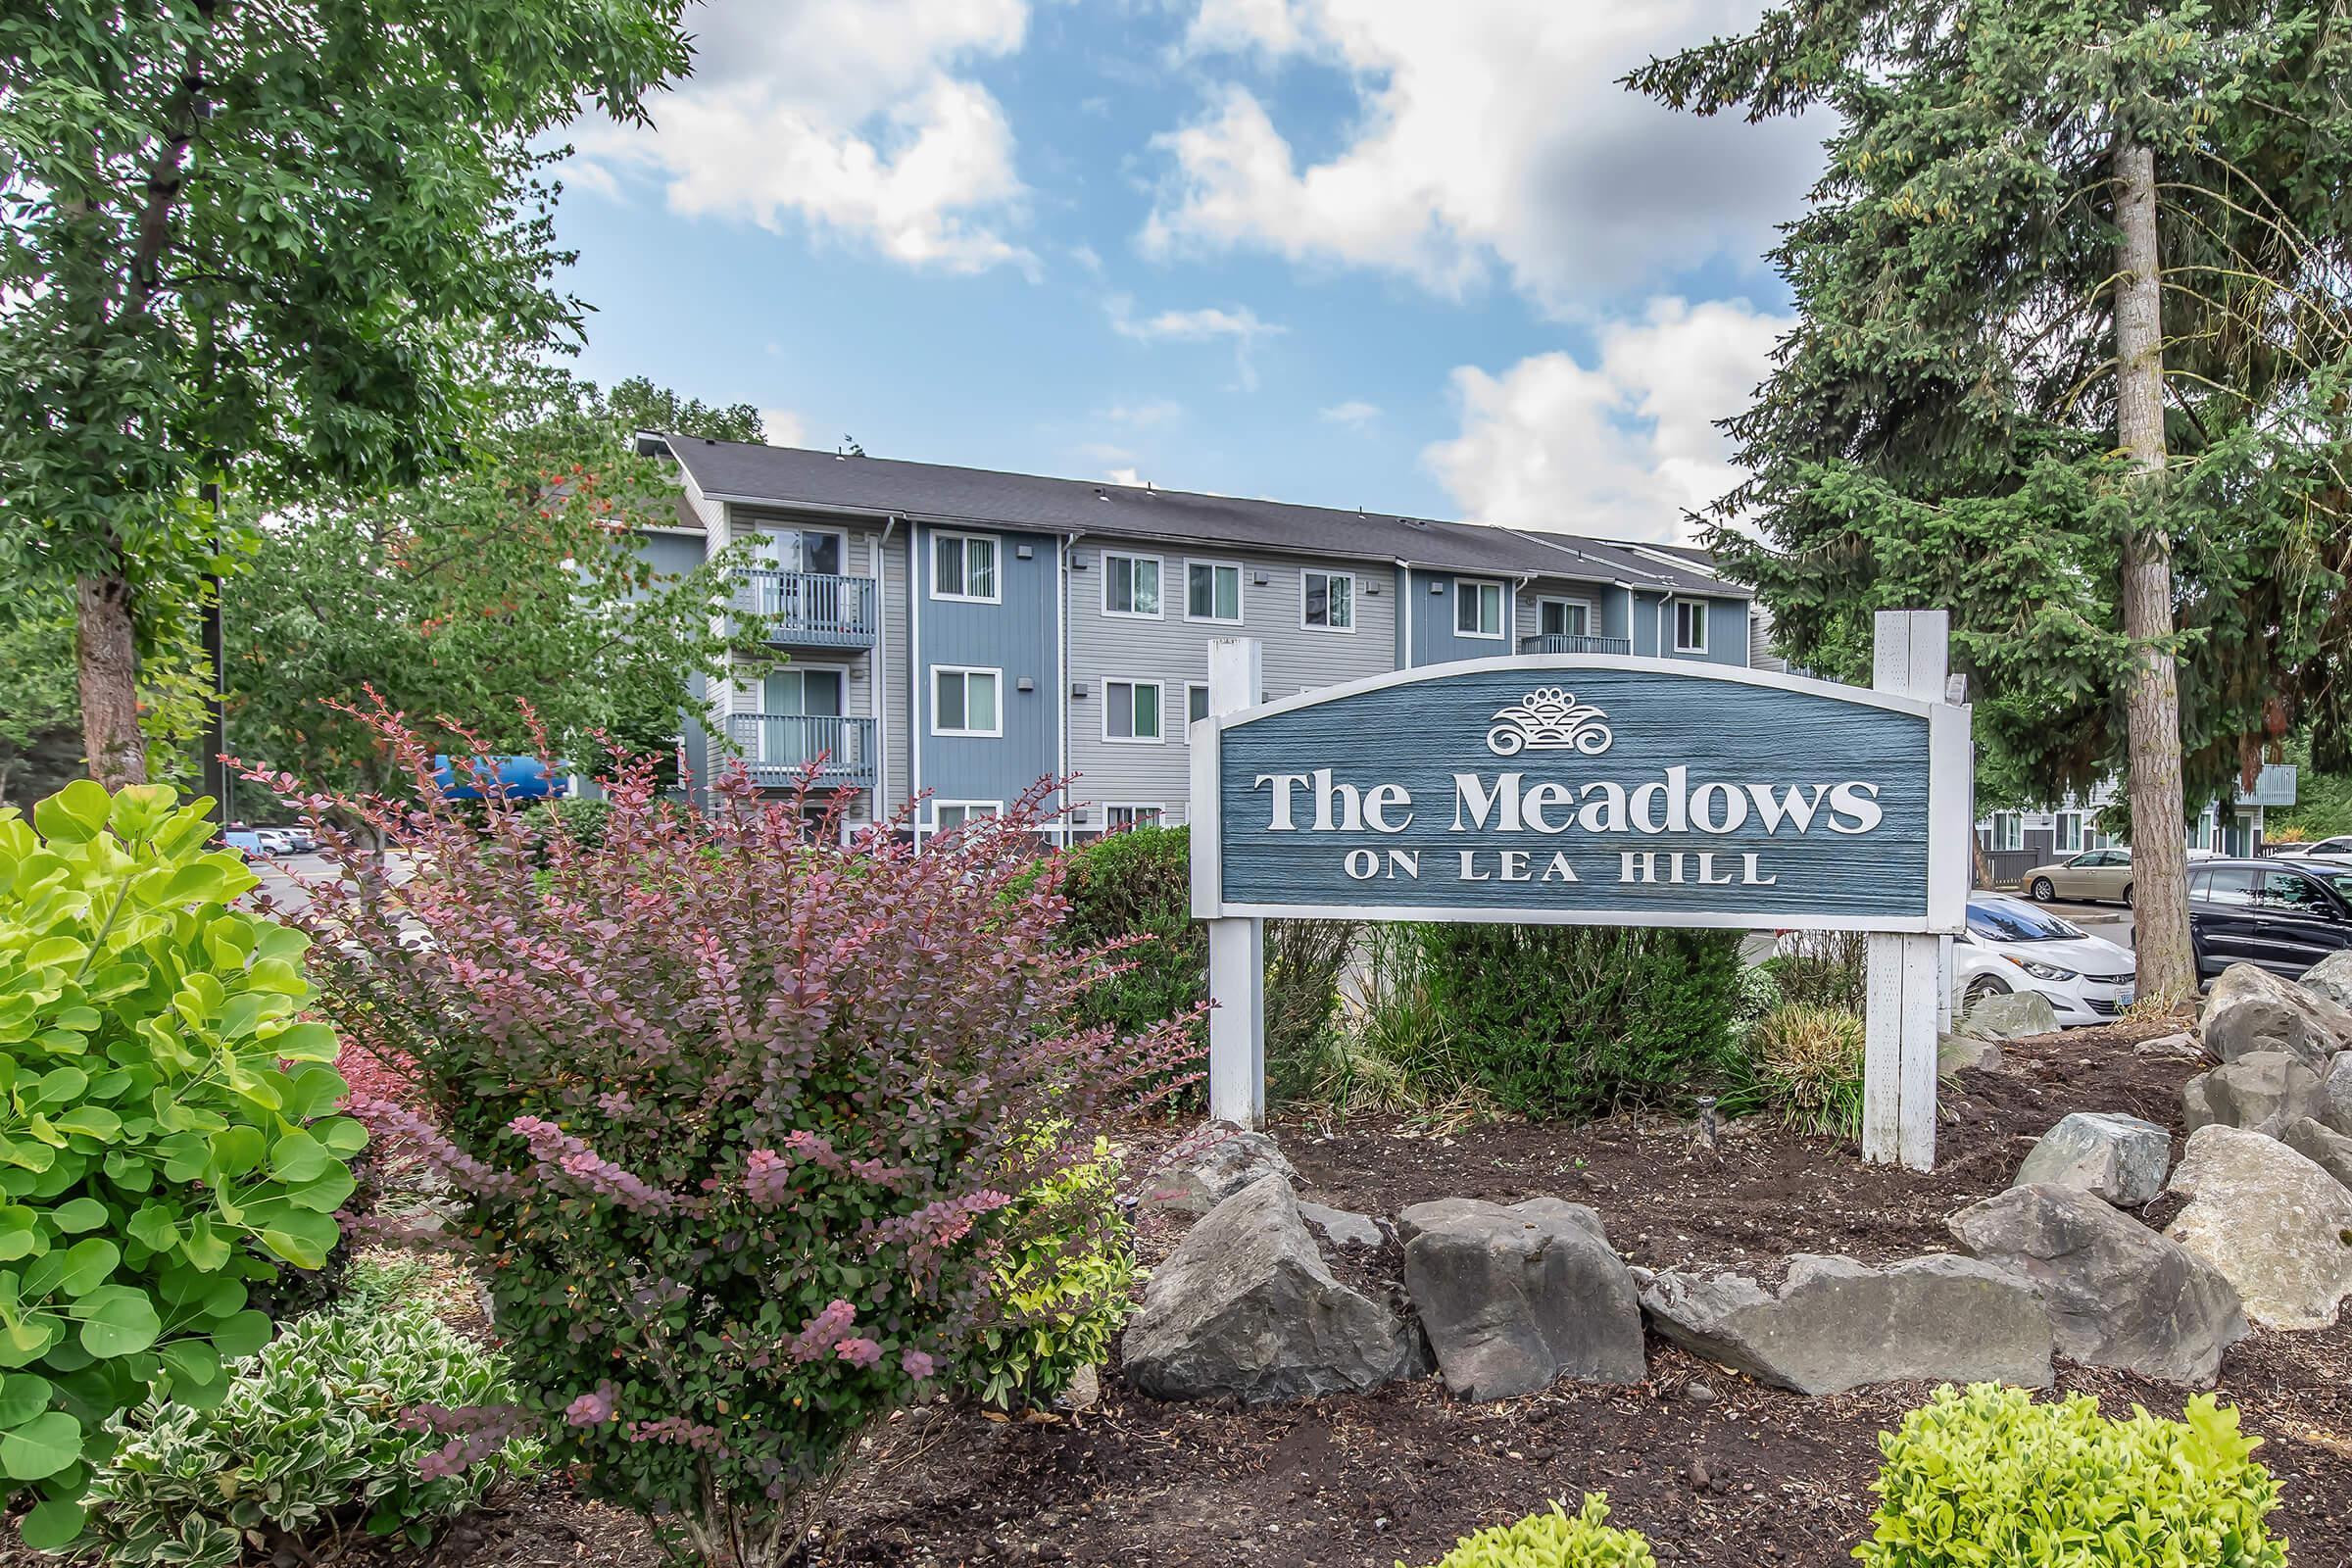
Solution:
(812, 608)
(778, 746)
(1563, 643)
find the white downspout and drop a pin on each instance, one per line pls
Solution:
(916, 589)
(880, 806)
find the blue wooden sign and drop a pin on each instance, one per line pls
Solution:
(1588, 789)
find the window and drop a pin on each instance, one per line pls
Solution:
(1477, 608)
(2008, 831)
(1131, 710)
(2295, 893)
(963, 565)
(949, 814)
(963, 701)
(2070, 832)
(2016, 922)
(1119, 816)
(2200, 832)
(2231, 885)
(1564, 618)
(1131, 585)
(1689, 626)
(1327, 600)
(783, 549)
(1212, 590)
(1196, 701)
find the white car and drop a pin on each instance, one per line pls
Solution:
(275, 839)
(2012, 945)
(2338, 848)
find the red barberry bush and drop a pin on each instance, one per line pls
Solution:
(741, 1120)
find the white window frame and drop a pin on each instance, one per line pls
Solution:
(996, 569)
(2059, 825)
(1591, 614)
(1190, 687)
(1354, 588)
(967, 671)
(1502, 608)
(762, 530)
(1241, 591)
(1159, 815)
(1160, 703)
(970, 809)
(1158, 564)
(2008, 825)
(1701, 619)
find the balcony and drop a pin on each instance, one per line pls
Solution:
(811, 609)
(1562, 643)
(780, 747)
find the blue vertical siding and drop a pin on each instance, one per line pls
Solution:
(1018, 636)
(1435, 641)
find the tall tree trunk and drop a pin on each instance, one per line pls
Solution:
(109, 668)
(2152, 697)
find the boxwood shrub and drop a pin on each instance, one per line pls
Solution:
(1554, 1539)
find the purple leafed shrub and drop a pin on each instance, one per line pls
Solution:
(740, 1119)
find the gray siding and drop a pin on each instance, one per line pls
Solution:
(1528, 621)
(1017, 637)
(1174, 651)
(896, 673)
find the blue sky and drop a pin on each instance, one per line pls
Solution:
(1420, 258)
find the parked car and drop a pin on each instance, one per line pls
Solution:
(275, 839)
(2284, 916)
(2102, 875)
(298, 839)
(246, 843)
(2338, 848)
(2010, 946)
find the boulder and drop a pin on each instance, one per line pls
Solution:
(1196, 1179)
(2117, 1158)
(1516, 1299)
(2011, 1016)
(1247, 1308)
(2336, 1093)
(1955, 1052)
(2118, 1293)
(2331, 978)
(2277, 1226)
(2323, 1146)
(2184, 1046)
(2250, 1010)
(1341, 1228)
(2265, 1093)
(1835, 1324)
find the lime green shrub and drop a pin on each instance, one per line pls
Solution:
(166, 1136)
(1804, 1065)
(308, 1440)
(1554, 1540)
(1063, 1285)
(1989, 1479)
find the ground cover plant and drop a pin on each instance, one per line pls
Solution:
(310, 1441)
(1804, 1065)
(1060, 1303)
(1554, 1539)
(742, 1123)
(167, 1136)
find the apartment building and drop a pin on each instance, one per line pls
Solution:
(962, 633)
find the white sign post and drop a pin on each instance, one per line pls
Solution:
(1237, 945)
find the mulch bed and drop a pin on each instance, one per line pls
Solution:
(1714, 1469)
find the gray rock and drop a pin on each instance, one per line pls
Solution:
(2265, 1093)
(2331, 978)
(2277, 1226)
(2323, 1147)
(1245, 1307)
(1516, 1299)
(1341, 1228)
(2185, 1047)
(1199, 1179)
(2013, 1017)
(2250, 1010)
(2117, 1158)
(2118, 1293)
(2336, 1093)
(1836, 1324)
(1955, 1052)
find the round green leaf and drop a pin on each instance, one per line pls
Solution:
(53, 1526)
(154, 1227)
(78, 1214)
(89, 1264)
(41, 1446)
(20, 1231)
(91, 1121)
(24, 1395)
(193, 1362)
(241, 1333)
(118, 1320)
(301, 1237)
(298, 1156)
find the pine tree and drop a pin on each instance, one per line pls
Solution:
(2072, 361)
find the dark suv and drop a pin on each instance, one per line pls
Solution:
(2284, 915)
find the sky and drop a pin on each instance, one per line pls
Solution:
(1426, 259)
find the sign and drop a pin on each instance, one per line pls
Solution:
(1587, 789)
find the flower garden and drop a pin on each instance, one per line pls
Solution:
(639, 1184)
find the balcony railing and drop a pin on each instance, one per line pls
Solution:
(1563, 643)
(777, 747)
(812, 608)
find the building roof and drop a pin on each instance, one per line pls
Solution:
(794, 476)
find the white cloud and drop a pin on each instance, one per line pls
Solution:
(1356, 413)
(1621, 448)
(1488, 133)
(1240, 324)
(1125, 476)
(846, 115)
(783, 427)
(1143, 415)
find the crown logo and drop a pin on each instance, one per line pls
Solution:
(1548, 720)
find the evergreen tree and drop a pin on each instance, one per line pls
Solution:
(638, 404)
(2072, 361)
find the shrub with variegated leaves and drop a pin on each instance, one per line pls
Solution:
(167, 1136)
(746, 1123)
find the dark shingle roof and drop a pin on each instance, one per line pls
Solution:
(788, 476)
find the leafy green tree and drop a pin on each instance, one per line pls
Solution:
(2072, 361)
(262, 245)
(514, 580)
(640, 405)
(40, 708)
